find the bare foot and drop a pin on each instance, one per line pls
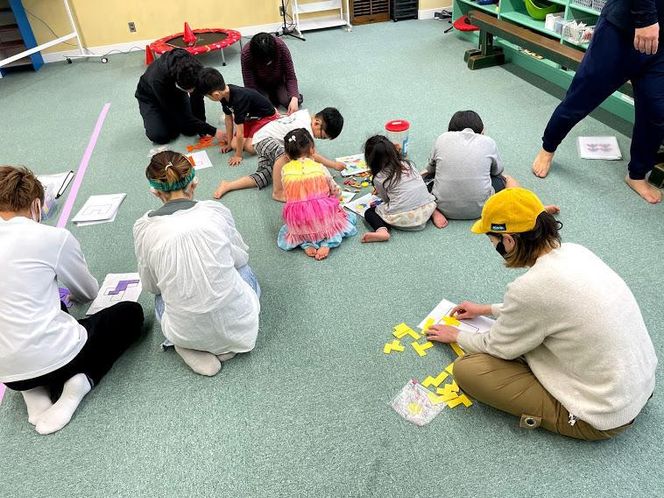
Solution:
(552, 209)
(310, 251)
(380, 235)
(542, 163)
(279, 196)
(222, 189)
(439, 219)
(322, 253)
(649, 192)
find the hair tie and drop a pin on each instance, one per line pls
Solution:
(292, 138)
(169, 165)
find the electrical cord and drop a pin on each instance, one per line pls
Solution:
(48, 27)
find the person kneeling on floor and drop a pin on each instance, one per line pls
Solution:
(569, 351)
(51, 358)
(193, 258)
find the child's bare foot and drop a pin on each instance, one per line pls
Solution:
(552, 209)
(439, 219)
(222, 189)
(649, 192)
(310, 251)
(322, 253)
(279, 196)
(380, 235)
(542, 163)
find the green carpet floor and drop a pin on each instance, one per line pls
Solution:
(306, 413)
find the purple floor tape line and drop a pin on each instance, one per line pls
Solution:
(82, 168)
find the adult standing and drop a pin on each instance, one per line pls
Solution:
(168, 100)
(625, 47)
(44, 352)
(267, 66)
(569, 350)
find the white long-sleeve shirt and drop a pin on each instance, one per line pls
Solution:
(580, 330)
(36, 336)
(191, 258)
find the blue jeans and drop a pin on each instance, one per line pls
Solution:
(610, 61)
(245, 272)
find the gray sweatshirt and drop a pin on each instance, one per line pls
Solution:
(463, 163)
(580, 329)
(409, 194)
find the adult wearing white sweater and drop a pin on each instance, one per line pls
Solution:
(569, 350)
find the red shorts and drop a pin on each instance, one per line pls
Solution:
(252, 126)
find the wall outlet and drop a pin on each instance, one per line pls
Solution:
(132, 26)
(281, 10)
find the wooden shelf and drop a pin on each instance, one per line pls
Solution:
(491, 9)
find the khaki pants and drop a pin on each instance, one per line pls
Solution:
(510, 386)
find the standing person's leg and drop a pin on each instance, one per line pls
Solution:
(158, 127)
(510, 386)
(598, 77)
(381, 229)
(648, 132)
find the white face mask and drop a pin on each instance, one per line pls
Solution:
(36, 211)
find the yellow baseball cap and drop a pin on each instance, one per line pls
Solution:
(513, 210)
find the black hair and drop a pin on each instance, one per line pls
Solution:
(332, 122)
(298, 143)
(466, 119)
(210, 80)
(263, 47)
(185, 69)
(382, 155)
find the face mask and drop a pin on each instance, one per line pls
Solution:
(500, 247)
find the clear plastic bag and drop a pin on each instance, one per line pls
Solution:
(414, 404)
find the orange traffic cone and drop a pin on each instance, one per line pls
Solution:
(189, 36)
(149, 56)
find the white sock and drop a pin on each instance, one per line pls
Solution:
(201, 362)
(37, 401)
(225, 356)
(59, 415)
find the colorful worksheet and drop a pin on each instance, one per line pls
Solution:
(355, 164)
(361, 204)
(200, 159)
(116, 288)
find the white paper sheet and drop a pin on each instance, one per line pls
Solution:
(361, 204)
(100, 208)
(474, 325)
(116, 288)
(200, 159)
(605, 148)
(355, 164)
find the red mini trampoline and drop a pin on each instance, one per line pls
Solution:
(196, 41)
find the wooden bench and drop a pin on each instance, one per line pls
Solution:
(488, 55)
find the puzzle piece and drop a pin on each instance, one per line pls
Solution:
(421, 348)
(450, 320)
(436, 400)
(448, 388)
(402, 330)
(454, 402)
(457, 349)
(203, 143)
(428, 323)
(414, 408)
(446, 396)
(395, 345)
(435, 381)
(450, 368)
(466, 401)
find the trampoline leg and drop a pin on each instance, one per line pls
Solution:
(223, 58)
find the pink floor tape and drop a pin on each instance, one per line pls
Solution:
(78, 180)
(82, 168)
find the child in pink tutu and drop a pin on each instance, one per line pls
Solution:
(313, 218)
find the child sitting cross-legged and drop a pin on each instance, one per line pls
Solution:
(314, 219)
(407, 204)
(193, 258)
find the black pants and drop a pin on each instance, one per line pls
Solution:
(376, 222)
(110, 333)
(160, 126)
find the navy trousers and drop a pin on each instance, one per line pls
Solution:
(611, 61)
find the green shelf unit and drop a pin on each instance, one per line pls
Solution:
(514, 11)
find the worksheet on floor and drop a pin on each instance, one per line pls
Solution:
(116, 288)
(476, 325)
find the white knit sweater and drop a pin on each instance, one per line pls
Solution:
(581, 331)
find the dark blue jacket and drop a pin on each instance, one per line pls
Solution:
(630, 14)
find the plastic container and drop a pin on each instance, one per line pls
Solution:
(538, 9)
(397, 131)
